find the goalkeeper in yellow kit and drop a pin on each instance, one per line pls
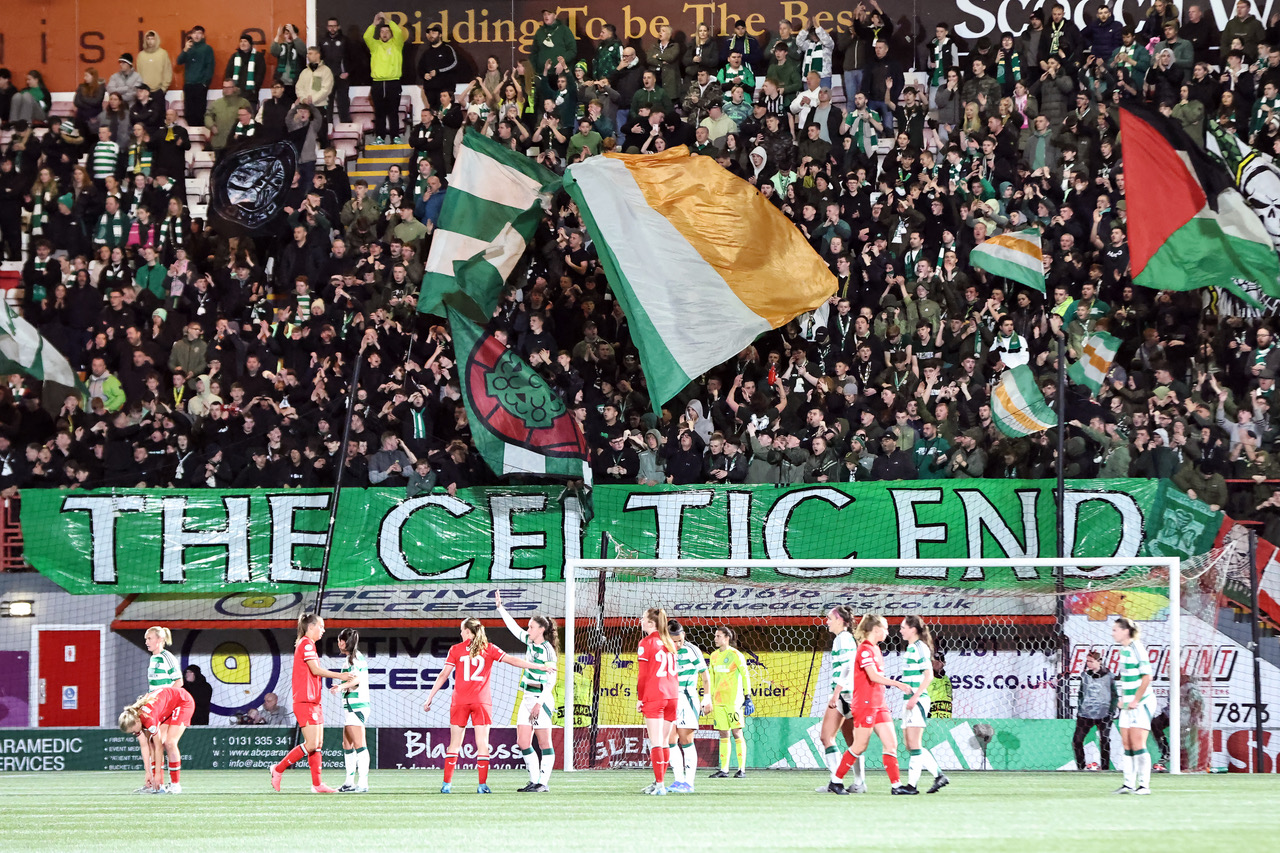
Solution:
(730, 699)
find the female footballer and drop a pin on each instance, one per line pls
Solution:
(538, 703)
(307, 673)
(730, 695)
(355, 710)
(917, 672)
(656, 689)
(1137, 707)
(472, 701)
(870, 711)
(159, 719)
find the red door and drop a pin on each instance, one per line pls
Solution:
(70, 669)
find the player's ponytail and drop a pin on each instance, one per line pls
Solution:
(350, 638)
(658, 617)
(1129, 625)
(163, 633)
(131, 715)
(478, 639)
(868, 624)
(845, 612)
(549, 632)
(305, 621)
(921, 629)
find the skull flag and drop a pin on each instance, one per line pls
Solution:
(249, 183)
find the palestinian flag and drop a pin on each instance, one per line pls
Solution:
(1095, 362)
(519, 424)
(1188, 225)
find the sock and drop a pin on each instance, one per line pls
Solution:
(313, 760)
(548, 764)
(295, 755)
(482, 767)
(666, 762)
(724, 754)
(891, 768)
(930, 763)
(846, 761)
(655, 758)
(450, 762)
(690, 763)
(832, 758)
(1127, 766)
(175, 767)
(531, 762)
(349, 761)
(1143, 769)
(860, 771)
(362, 766)
(742, 753)
(914, 765)
(676, 759)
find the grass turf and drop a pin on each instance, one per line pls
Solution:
(233, 810)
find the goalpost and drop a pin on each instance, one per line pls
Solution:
(1012, 633)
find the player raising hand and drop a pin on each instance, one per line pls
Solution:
(472, 701)
(539, 701)
(656, 688)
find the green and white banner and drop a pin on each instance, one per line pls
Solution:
(261, 540)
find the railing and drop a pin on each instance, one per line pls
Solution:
(11, 559)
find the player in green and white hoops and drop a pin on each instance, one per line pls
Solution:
(162, 669)
(844, 647)
(537, 707)
(1137, 707)
(689, 664)
(355, 707)
(917, 672)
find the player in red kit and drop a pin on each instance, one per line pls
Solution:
(473, 659)
(870, 711)
(159, 719)
(307, 673)
(657, 690)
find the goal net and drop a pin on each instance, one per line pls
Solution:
(1011, 641)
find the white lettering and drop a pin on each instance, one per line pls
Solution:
(285, 537)
(178, 538)
(506, 541)
(391, 533)
(103, 513)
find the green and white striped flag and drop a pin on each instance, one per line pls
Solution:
(1015, 255)
(492, 207)
(1017, 405)
(24, 350)
(1091, 370)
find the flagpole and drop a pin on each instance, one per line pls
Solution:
(337, 479)
(1063, 702)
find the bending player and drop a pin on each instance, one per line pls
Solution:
(537, 705)
(159, 719)
(307, 673)
(689, 664)
(656, 688)
(870, 711)
(1137, 707)
(472, 701)
(917, 672)
(730, 699)
(355, 710)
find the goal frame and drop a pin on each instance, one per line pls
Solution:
(576, 566)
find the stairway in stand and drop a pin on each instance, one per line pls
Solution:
(374, 161)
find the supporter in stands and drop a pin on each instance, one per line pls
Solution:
(196, 60)
(385, 40)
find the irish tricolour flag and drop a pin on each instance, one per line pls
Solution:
(1015, 256)
(700, 261)
(1018, 407)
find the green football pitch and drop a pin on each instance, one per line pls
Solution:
(232, 810)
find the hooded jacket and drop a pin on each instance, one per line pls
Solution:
(154, 65)
(1097, 698)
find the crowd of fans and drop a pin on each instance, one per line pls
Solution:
(215, 361)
